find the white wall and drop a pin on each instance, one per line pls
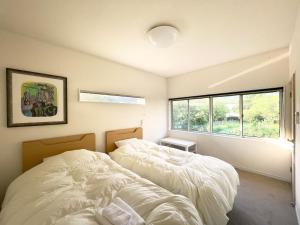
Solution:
(295, 67)
(272, 158)
(256, 72)
(84, 72)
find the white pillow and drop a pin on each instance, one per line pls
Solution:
(126, 142)
(50, 157)
(148, 143)
(73, 156)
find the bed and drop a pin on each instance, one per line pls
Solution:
(65, 186)
(210, 183)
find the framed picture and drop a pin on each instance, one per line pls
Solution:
(35, 99)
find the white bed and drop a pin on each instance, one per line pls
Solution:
(210, 183)
(68, 188)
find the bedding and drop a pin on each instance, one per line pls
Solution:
(70, 188)
(210, 183)
(125, 142)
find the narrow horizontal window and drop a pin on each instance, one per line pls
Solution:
(88, 96)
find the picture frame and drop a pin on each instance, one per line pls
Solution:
(35, 99)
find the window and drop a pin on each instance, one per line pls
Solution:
(250, 113)
(226, 115)
(261, 115)
(199, 115)
(180, 111)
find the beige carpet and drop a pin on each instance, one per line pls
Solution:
(262, 201)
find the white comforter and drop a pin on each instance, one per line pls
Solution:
(210, 183)
(68, 189)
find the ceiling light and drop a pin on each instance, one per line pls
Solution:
(162, 36)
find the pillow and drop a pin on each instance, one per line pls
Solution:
(73, 156)
(148, 143)
(50, 157)
(125, 142)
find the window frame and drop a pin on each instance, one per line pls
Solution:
(240, 94)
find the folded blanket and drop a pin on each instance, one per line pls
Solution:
(118, 212)
(101, 219)
(116, 215)
(136, 219)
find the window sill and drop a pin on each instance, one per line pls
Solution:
(280, 141)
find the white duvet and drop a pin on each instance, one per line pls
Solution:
(68, 189)
(210, 183)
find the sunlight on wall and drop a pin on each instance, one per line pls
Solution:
(254, 68)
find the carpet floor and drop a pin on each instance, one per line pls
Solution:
(262, 201)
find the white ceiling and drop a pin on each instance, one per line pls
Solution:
(211, 31)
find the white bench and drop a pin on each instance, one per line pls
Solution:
(189, 146)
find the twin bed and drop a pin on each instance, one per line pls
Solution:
(210, 183)
(162, 185)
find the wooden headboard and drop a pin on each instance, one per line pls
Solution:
(117, 135)
(35, 151)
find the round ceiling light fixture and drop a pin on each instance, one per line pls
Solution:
(162, 36)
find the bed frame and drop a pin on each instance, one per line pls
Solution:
(117, 135)
(35, 151)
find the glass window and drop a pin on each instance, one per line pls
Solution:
(226, 115)
(220, 114)
(261, 115)
(199, 115)
(180, 111)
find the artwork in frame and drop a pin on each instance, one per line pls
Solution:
(35, 99)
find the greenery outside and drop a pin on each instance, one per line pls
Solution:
(199, 115)
(261, 115)
(226, 115)
(180, 115)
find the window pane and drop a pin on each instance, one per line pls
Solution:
(261, 115)
(180, 115)
(226, 115)
(199, 115)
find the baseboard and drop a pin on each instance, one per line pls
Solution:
(261, 173)
(297, 214)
